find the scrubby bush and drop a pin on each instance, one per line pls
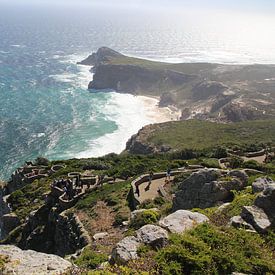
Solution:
(219, 152)
(252, 164)
(145, 217)
(235, 162)
(90, 259)
(210, 250)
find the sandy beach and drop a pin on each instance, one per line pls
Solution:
(158, 114)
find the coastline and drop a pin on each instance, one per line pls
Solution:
(157, 113)
(138, 111)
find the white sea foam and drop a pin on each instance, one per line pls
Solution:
(18, 46)
(130, 113)
(65, 77)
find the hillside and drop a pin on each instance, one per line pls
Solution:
(227, 93)
(201, 135)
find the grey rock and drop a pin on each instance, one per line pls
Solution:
(125, 250)
(239, 222)
(239, 174)
(256, 217)
(266, 201)
(100, 236)
(261, 184)
(207, 188)
(182, 220)
(32, 262)
(152, 235)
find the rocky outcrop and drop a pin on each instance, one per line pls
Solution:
(182, 220)
(261, 215)
(261, 184)
(208, 187)
(256, 217)
(125, 250)
(103, 55)
(32, 262)
(138, 143)
(266, 201)
(152, 235)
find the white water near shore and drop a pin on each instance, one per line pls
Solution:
(135, 112)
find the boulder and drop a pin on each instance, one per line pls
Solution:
(256, 217)
(152, 235)
(100, 236)
(266, 201)
(239, 174)
(182, 220)
(208, 187)
(261, 184)
(239, 222)
(125, 250)
(32, 262)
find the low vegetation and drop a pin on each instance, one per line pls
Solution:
(211, 250)
(89, 259)
(201, 135)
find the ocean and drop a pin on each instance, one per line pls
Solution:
(45, 107)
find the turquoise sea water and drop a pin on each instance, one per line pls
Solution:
(45, 108)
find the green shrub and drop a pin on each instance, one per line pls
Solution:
(90, 259)
(235, 162)
(241, 198)
(210, 250)
(209, 162)
(219, 152)
(252, 164)
(145, 217)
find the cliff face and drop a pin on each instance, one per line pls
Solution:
(225, 93)
(136, 80)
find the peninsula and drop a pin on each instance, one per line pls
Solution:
(216, 92)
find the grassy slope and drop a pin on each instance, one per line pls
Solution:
(203, 134)
(187, 68)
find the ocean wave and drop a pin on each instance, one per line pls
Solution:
(129, 113)
(65, 77)
(18, 46)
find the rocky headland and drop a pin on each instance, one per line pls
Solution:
(225, 93)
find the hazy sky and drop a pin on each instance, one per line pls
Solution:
(237, 5)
